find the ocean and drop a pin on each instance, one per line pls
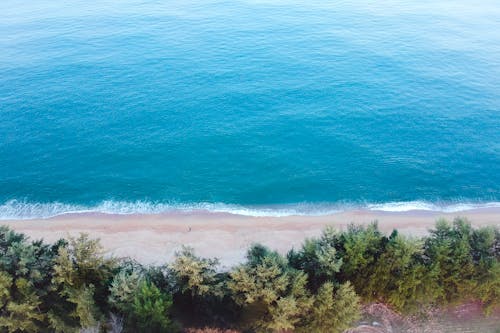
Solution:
(252, 107)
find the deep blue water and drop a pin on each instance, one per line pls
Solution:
(128, 105)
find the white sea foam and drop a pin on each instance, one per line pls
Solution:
(24, 210)
(406, 206)
(16, 209)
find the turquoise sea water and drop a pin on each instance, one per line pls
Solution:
(258, 107)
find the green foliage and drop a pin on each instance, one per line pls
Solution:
(318, 258)
(273, 296)
(151, 309)
(346, 307)
(486, 254)
(332, 311)
(29, 260)
(123, 290)
(398, 276)
(19, 313)
(450, 261)
(71, 286)
(59, 324)
(5, 286)
(360, 248)
(82, 262)
(25, 274)
(81, 276)
(86, 310)
(142, 305)
(197, 276)
(488, 286)
(200, 290)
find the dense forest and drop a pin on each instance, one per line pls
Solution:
(71, 286)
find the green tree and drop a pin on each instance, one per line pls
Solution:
(346, 307)
(27, 296)
(319, 258)
(200, 289)
(151, 309)
(450, 261)
(81, 277)
(123, 290)
(488, 286)
(195, 275)
(22, 313)
(360, 248)
(5, 286)
(485, 246)
(29, 260)
(332, 311)
(273, 295)
(398, 278)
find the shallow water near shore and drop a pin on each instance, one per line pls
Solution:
(250, 107)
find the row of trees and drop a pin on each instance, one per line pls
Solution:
(70, 286)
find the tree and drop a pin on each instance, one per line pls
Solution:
(123, 290)
(197, 276)
(398, 278)
(318, 258)
(5, 286)
(200, 289)
(346, 307)
(29, 260)
(151, 309)
(22, 313)
(486, 254)
(82, 262)
(450, 261)
(332, 311)
(68, 286)
(360, 248)
(273, 295)
(81, 277)
(488, 286)
(26, 274)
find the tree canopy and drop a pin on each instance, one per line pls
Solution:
(73, 286)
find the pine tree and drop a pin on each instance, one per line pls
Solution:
(360, 249)
(450, 261)
(486, 255)
(273, 295)
(151, 309)
(197, 276)
(81, 277)
(5, 286)
(398, 277)
(123, 290)
(332, 311)
(318, 258)
(21, 314)
(27, 265)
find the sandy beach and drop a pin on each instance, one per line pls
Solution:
(153, 239)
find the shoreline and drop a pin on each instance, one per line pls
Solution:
(25, 210)
(154, 238)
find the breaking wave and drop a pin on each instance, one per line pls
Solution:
(24, 210)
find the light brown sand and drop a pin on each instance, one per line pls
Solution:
(155, 238)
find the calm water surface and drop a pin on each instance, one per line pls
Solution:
(141, 106)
